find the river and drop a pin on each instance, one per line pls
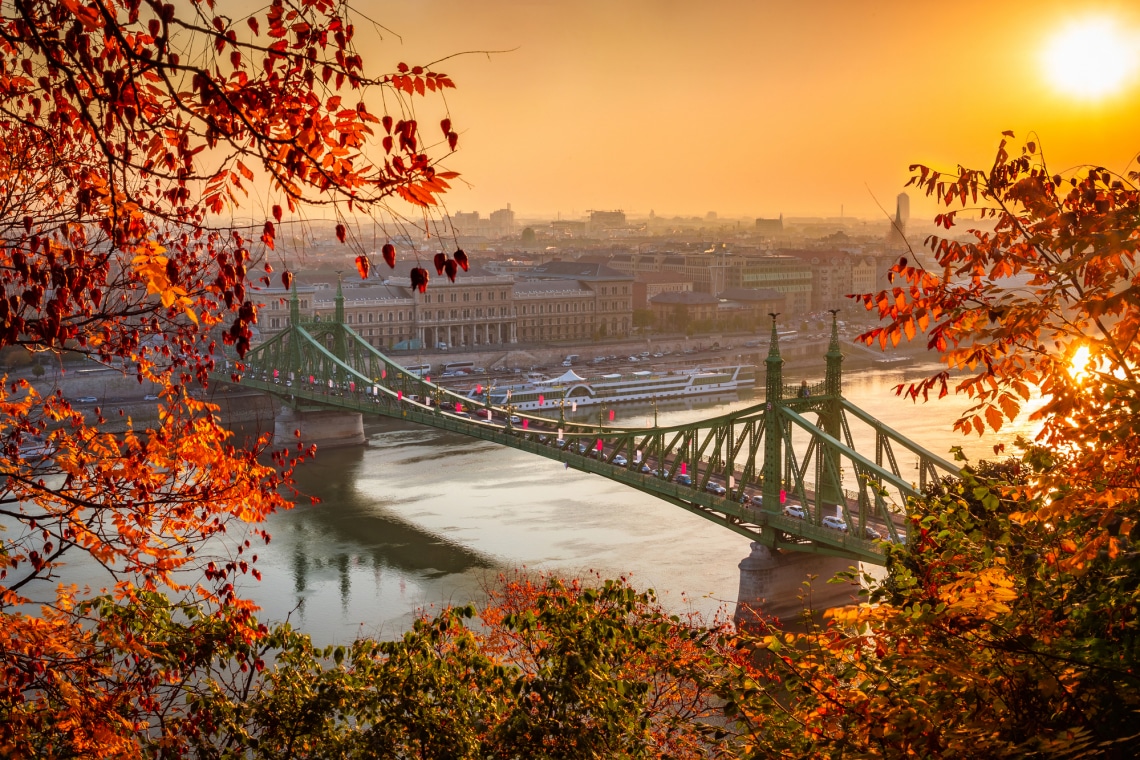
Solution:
(418, 518)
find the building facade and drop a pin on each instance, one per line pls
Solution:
(612, 293)
(559, 301)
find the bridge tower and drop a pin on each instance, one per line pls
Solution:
(771, 579)
(317, 424)
(773, 426)
(828, 476)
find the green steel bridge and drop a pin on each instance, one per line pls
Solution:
(747, 470)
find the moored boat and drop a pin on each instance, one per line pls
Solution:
(573, 390)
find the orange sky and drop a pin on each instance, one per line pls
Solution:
(742, 107)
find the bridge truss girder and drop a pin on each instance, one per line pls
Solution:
(327, 364)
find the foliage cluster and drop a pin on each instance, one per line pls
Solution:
(129, 129)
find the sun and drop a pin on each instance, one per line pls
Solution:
(1091, 58)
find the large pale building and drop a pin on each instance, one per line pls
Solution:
(559, 301)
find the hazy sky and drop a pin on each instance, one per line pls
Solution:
(750, 107)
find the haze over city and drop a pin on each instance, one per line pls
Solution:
(756, 109)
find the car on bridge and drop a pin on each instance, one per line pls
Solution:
(684, 479)
(833, 522)
(794, 510)
(871, 534)
(86, 400)
(713, 487)
(757, 500)
(645, 468)
(619, 460)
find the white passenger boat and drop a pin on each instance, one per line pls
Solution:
(573, 390)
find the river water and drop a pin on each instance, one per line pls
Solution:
(418, 518)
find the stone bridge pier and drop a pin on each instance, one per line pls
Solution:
(327, 428)
(772, 584)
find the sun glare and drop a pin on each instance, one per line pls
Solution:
(1079, 363)
(1091, 58)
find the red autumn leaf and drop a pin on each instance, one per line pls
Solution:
(461, 258)
(277, 212)
(419, 279)
(440, 259)
(452, 140)
(451, 268)
(445, 125)
(389, 253)
(341, 232)
(362, 266)
(286, 279)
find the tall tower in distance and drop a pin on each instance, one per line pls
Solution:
(902, 209)
(896, 238)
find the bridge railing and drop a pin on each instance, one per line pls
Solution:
(797, 391)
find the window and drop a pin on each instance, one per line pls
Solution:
(466, 296)
(491, 296)
(453, 297)
(478, 296)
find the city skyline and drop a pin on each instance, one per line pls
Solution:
(753, 109)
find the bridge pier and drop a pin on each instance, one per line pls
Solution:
(326, 428)
(772, 582)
